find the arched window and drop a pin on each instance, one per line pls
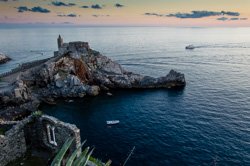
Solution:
(51, 134)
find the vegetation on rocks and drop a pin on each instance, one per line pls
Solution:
(76, 159)
(37, 113)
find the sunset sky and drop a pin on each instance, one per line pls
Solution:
(127, 12)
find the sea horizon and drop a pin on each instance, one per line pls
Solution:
(191, 126)
(131, 83)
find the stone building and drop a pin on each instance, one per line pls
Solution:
(59, 41)
(35, 132)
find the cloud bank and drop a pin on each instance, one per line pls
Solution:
(118, 5)
(58, 3)
(96, 6)
(196, 14)
(37, 9)
(201, 14)
(230, 19)
(67, 15)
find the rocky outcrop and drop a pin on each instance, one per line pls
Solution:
(76, 71)
(4, 58)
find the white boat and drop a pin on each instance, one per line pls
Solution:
(109, 94)
(69, 101)
(113, 122)
(190, 47)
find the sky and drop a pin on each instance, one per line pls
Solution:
(172, 13)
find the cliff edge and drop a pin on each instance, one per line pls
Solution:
(75, 71)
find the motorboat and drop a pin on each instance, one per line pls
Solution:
(190, 47)
(109, 94)
(113, 122)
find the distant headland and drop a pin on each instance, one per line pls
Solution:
(75, 71)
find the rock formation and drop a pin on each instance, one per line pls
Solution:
(4, 58)
(75, 71)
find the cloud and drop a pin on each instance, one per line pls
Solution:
(96, 15)
(72, 15)
(68, 15)
(58, 3)
(119, 5)
(37, 9)
(153, 14)
(22, 9)
(67, 23)
(201, 14)
(85, 7)
(195, 14)
(230, 13)
(230, 19)
(96, 6)
(234, 19)
(222, 19)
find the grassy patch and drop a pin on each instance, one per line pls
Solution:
(37, 113)
(2, 131)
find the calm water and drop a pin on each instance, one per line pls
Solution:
(206, 123)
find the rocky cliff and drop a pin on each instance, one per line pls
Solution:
(76, 71)
(4, 58)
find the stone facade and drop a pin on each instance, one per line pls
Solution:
(12, 143)
(53, 133)
(36, 132)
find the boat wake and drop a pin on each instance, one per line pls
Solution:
(233, 46)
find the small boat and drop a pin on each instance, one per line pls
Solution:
(190, 47)
(109, 94)
(69, 101)
(113, 122)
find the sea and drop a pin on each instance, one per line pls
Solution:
(206, 123)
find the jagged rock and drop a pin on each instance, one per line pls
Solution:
(74, 81)
(107, 65)
(93, 90)
(17, 92)
(4, 58)
(58, 81)
(77, 70)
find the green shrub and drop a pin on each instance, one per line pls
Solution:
(73, 160)
(37, 113)
(2, 131)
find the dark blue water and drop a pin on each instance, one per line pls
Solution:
(207, 123)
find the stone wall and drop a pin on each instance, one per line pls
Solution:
(62, 132)
(24, 66)
(12, 143)
(33, 132)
